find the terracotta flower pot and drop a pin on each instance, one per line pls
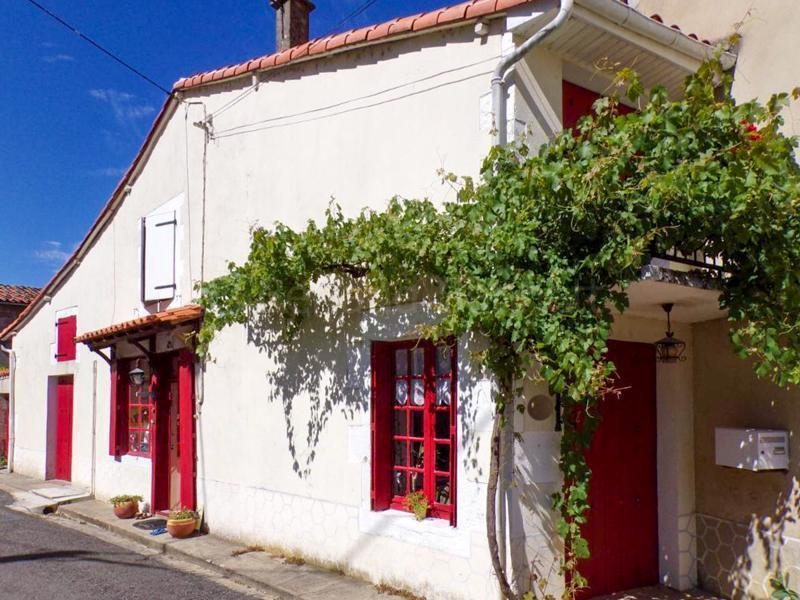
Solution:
(126, 510)
(181, 528)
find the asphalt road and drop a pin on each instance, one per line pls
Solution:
(42, 560)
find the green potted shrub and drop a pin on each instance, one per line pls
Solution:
(126, 506)
(181, 523)
(417, 502)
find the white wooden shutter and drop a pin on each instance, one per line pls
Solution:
(159, 257)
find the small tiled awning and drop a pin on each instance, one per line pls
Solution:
(141, 327)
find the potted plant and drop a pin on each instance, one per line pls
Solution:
(181, 523)
(417, 503)
(126, 506)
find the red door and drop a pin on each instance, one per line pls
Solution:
(64, 429)
(622, 530)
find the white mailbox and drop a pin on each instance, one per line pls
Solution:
(752, 449)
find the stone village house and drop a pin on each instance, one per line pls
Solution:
(312, 447)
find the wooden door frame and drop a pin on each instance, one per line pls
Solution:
(160, 365)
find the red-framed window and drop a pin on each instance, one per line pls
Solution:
(139, 416)
(66, 330)
(413, 425)
(131, 427)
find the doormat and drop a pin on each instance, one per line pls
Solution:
(150, 524)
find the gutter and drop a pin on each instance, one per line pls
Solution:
(621, 14)
(12, 367)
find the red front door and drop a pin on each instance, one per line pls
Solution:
(173, 452)
(64, 429)
(622, 530)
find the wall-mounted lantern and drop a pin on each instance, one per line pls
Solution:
(670, 349)
(136, 376)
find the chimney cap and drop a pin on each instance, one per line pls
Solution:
(276, 4)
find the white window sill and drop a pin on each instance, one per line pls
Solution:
(430, 533)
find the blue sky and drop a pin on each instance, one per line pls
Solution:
(73, 119)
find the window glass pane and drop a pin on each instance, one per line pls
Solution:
(400, 422)
(443, 362)
(443, 457)
(442, 425)
(145, 445)
(443, 490)
(443, 391)
(133, 416)
(401, 392)
(144, 413)
(418, 361)
(401, 362)
(417, 422)
(418, 395)
(399, 483)
(133, 441)
(400, 454)
(417, 455)
(417, 481)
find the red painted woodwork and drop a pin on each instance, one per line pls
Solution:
(63, 467)
(577, 102)
(118, 410)
(5, 431)
(186, 428)
(381, 425)
(622, 528)
(66, 330)
(159, 435)
(414, 389)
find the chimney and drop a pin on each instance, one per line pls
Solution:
(291, 22)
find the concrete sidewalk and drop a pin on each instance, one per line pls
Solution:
(259, 569)
(287, 578)
(36, 496)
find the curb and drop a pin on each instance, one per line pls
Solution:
(172, 550)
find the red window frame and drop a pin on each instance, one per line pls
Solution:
(132, 412)
(414, 440)
(66, 330)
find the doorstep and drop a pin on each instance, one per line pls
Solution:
(658, 592)
(256, 569)
(37, 496)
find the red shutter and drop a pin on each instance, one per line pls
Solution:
(118, 425)
(381, 425)
(67, 328)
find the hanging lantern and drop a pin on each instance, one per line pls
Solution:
(670, 349)
(136, 375)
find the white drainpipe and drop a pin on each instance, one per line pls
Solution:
(499, 108)
(12, 368)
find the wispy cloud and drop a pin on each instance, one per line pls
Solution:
(108, 172)
(60, 57)
(52, 253)
(124, 105)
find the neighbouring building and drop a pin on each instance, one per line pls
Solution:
(311, 447)
(13, 298)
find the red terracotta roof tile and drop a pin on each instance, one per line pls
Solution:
(472, 9)
(3, 373)
(17, 294)
(167, 318)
